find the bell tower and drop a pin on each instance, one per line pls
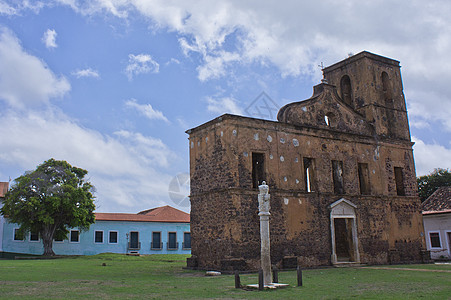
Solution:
(372, 85)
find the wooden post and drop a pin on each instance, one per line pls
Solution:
(261, 284)
(275, 275)
(237, 280)
(299, 271)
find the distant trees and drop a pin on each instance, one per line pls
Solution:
(50, 200)
(428, 184)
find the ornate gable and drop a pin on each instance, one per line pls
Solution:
(326, 110)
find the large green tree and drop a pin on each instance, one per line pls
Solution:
(428, 184)
(50, 200)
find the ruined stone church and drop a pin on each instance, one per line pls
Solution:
(340, 171)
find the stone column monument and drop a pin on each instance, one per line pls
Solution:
(263, 208)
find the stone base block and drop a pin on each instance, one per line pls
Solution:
(290, 262)
(233, 264)
(191, 262)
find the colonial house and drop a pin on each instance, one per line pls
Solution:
(437, 223)
(340, 171)
(160, 230)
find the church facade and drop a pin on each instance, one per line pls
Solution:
(340, 171)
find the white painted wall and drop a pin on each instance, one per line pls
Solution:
(439, 223)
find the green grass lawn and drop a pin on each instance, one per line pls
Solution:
(162, 277)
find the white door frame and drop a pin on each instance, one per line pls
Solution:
(344, 209)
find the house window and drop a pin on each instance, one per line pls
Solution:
(74, 236)
(59, 239)
(309, 175)
(18, 236)
(98, 237)
(399, 180)
(364, 179)
(346, 89)
(337, 174)
(34, 236)
(434, 237)
(186, 240)
(172, 241)
(258, 169)
(156, 241)
(112, 237)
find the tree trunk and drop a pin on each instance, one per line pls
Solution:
(47, 240)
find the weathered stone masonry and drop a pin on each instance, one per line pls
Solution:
(340, 170)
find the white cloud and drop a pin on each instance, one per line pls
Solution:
(223, 105)
(173, 61)
(296, 36)
(146, 110)
(430, 156)
(117, 8)
(6, 9)
(25, 79)
(126, 168)
(49, 38)
(19, 6)
(215, 66)
(140, 64)
(86, 73)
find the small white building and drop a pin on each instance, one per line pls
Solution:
(3, 189)
(437, 223)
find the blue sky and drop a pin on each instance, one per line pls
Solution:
(111, 86)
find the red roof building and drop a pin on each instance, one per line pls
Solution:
(158, 214)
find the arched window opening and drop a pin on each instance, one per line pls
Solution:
(386, 87)
(388, 102)
(329, 119)
(346, 89)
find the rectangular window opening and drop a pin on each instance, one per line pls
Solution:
(112, 237)
(364, 179)
(74, 236)
(435, 240)
(309, 174)
(186, 240)
(337, 173)
(59, 239)
(399, 180)
(156, 243)
(18, 236)
(172, 241)
(98, 237)
(258, 169)
(34, 236)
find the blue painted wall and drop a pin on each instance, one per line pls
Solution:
(87, 245)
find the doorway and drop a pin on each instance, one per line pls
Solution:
(343, 230)
(134, 240)
(343, 239)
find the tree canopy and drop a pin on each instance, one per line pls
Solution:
(50, 200)
(428, 184)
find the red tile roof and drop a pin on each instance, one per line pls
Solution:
(3, 188)
(159, 214)
(438, 202)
